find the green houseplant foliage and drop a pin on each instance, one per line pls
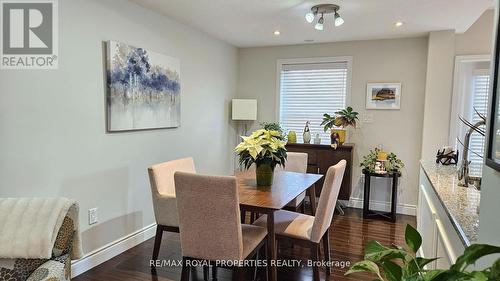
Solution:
(272, 126)
(265, 149)
(343, 118)
(393, 163)
(401, 264)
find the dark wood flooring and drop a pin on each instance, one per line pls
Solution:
(348, 235)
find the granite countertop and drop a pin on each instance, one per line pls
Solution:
(460, 203)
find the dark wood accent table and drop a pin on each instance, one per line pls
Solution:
(269, 199)
(367, 213)
(321, 157)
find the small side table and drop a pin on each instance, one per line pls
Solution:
(367, 213)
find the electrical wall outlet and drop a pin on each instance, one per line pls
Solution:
(92, 216)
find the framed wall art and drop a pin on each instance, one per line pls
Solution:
(143, 89)
(383, 96)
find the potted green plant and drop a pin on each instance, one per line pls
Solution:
(339, 122)
(265, 149)
(391, 161)
(273, 126)
(401, 264)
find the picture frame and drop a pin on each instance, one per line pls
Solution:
(383, 96)
(143, 89)
(493, 123)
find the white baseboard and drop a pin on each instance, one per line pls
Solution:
(405, 209)
(111, 250)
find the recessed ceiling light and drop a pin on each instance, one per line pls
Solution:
(398, 23)
(277, 32)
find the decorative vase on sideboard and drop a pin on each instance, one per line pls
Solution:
(341, 133)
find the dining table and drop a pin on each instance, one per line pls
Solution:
(266, 200)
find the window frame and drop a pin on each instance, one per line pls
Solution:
(458, 96)
(279, 68)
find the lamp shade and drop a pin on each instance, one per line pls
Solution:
(244, 109)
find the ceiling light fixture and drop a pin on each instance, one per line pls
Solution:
(277, 32)
(338, 19)
(310, 17)
(324, 9)
(398, 23)
(319, 25)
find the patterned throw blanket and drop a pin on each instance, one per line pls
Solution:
(56, 227)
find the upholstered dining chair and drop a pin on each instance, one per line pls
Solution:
(161, 177)
(209, 222)
(308, 230)
(296, 162)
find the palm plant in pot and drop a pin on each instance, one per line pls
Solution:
(265, 149)
(339, 122)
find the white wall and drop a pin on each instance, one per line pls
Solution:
(398, 60)
(52, 123)
(444, 46)
(438, 92)
(477, 39)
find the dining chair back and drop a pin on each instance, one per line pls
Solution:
(295, 162)
(327, 200)
(161, 177)
(209, 217)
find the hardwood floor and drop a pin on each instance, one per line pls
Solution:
(348, 235)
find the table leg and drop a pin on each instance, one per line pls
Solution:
(366, 197)
(312, 197)
(271, 247)
(394, 199)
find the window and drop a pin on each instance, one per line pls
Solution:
(470, 90)
(308, 88)
(480, 88)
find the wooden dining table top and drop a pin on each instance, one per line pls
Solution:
(286, 187)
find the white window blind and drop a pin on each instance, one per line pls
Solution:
(307, 91)
(480, 88)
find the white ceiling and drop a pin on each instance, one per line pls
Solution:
(250, 23)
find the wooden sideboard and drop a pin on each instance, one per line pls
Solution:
(321, 157)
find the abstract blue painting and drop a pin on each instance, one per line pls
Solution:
(143, 89)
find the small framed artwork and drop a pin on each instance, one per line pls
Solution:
(383, 96)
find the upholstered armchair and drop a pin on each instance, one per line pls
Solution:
(161, 177)
(58, 267)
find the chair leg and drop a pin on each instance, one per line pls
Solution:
(214, 272)
(238, 273)
(156, 249)
(206, 275)
(185, 270)
(243, 215)
(256, 267)
(326, 251)
(315, 259)
(253, 217)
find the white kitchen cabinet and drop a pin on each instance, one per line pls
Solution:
(440, 238)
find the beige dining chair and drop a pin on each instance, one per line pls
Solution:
(308, 230)
(296, 162)
(209, 222)
(161, 178)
